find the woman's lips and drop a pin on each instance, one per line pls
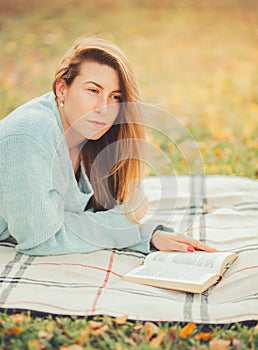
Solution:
(97, 123)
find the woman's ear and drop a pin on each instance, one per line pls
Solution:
(61, 89)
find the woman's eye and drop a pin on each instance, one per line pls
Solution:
(117, 98)
(93, 91)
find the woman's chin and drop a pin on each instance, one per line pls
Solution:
(97, 135)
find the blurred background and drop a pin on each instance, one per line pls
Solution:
(196, 59)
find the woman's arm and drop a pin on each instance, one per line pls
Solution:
(35, 212)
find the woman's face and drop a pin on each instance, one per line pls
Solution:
(91, 102)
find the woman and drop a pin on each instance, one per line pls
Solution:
(70, 162)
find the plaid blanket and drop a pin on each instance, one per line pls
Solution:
(219, 210)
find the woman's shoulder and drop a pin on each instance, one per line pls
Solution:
(35, 119)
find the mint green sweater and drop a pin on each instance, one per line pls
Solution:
(41, 203)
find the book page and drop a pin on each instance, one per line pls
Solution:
(202, 260)
(178, 275)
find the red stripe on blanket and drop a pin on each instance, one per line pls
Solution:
(81, 265)
(99, 291)
(243, 269)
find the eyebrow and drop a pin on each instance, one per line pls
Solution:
(99, 86)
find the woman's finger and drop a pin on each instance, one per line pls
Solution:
(193, 242)
(165, 241)
(180, 247)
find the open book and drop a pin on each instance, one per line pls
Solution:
(189, 272)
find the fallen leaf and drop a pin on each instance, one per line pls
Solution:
(218, 152)
(204, 336)
(101, 330)
(158, 340)
(34, 344)
(45, 335)
(15, 330)
(219, 344)
(187, 330)
(65, 332)
(84, 335)
(151, 329)
(138, 327)
(19, 318)
(50, 327)
(171, 335)
(95, 324)
(121, 319)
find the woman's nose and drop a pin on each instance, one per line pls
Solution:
(102, 105)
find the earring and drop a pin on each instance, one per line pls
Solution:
(61, 104)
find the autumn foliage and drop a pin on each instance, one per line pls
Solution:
(195, 59)
(120, 333)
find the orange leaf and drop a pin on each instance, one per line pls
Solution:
(15, 330)
(151, 329)
(187, 330)
(95, 324)
(158, 340)
(204, 336)
(18, 318)
(84, 335)
(50, 326)
(219, 344)
(121, 319)
(218, 152)
(34, 344)
(101, 330)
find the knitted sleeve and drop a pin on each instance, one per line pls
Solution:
(34, 209)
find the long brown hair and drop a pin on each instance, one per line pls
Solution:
(113, 162)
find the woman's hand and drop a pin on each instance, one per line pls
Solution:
(167, 241)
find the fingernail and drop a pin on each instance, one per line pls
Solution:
(190, 249)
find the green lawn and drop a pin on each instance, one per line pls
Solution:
(196, 60)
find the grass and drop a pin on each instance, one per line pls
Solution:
(21, 331)
(196, 64)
